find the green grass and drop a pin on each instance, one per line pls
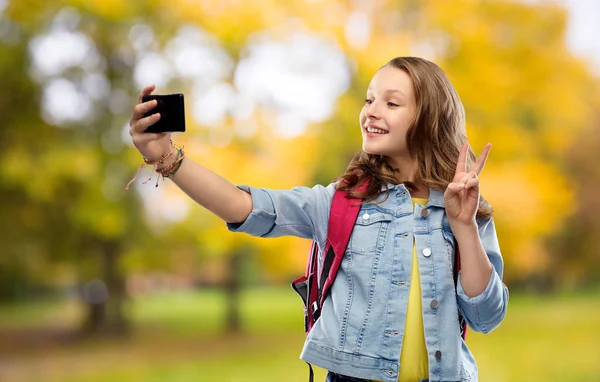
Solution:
(179, 338)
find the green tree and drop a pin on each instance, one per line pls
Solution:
(64, 177)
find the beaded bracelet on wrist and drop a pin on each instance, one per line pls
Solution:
(167, 171)
(170, 170)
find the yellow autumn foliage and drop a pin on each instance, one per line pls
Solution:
(522, 89)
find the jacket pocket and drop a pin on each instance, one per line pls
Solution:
(369, 231)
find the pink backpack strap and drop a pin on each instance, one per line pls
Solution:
(306, 286)
(342, 217)
(461, 320)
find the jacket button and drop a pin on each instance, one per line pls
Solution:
(434, 304)
(427, 252)
(424, 212)
(438, 354)
(366, 216)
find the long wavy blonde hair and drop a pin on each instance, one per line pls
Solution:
(434, 138)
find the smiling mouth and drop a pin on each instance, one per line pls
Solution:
(372, 130)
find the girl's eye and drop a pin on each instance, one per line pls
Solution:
(368, 101)
(391, 104)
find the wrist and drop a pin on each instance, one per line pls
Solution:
(168, 161)
(167, 165)
(464, 228)
(169, 170)
(161, 161)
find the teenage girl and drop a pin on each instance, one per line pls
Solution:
(392, 312)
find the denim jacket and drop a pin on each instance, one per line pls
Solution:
(361, 327)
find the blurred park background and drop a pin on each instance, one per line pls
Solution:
(102, 284)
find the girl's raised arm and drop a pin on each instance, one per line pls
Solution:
(208, 189)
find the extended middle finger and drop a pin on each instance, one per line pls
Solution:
(480, 163)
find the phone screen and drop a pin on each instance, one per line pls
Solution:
(172, 113)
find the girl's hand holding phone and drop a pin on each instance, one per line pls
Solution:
(152, 146)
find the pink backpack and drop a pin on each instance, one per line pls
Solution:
(314, 286)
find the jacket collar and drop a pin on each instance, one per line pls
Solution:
(436, 197)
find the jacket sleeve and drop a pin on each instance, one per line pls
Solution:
(301, 212)
(486, 311)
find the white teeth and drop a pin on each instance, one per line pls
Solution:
(378, 131)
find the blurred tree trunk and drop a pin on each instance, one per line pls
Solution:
(233, 288)
(105, 308)
(575, 260)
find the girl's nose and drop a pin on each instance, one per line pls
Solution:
(372, 110)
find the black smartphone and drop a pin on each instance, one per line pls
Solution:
(172, 113)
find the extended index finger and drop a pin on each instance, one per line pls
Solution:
(461, 163)
(146, 91)
(478, 166)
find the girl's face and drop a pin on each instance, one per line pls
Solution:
(388, 112)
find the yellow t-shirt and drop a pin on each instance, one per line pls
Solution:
(414, 364)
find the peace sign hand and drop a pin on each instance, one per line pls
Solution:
(461, 197)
